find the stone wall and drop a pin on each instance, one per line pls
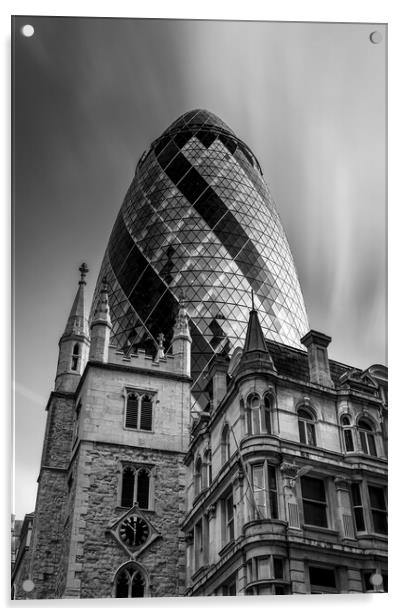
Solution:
(95, 555)
(45, 549)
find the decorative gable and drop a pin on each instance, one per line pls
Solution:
(359, 380)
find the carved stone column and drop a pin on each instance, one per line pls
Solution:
(344, 509)
(289, 474)
(189, 539)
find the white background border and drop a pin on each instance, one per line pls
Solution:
(292, 10)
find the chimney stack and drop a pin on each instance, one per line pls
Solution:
(318, 361)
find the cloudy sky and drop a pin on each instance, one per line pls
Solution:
(90, 95)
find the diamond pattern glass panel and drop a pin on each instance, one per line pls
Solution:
(198, 220)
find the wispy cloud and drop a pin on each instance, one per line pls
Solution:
(29, 394)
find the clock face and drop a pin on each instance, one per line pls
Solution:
(133, 531)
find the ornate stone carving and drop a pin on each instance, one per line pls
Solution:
(289, 471)
(342, 482)
(182, 316)
(212, 511)
(189, 537)
(161, 351)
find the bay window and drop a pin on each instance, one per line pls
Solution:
(264, 486)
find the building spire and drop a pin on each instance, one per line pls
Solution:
(254, 340)
(102, 311)
(181, 341)
(77, 323)
(74, 343)
(255, 356)
(84, 270)
(101, 326)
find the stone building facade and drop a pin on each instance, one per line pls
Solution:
(287, 474)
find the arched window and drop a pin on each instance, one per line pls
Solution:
(248, 418)
(130, 582)
(367, 440)
(258, 415)
(138, 411)
(306, 427)
(128, 485)
(143, 487)
(135, 487)
(146, 413)
(225, 444)
(131, 414)
(76, 356)
(253, 414)
(197, 476)
(346, 423)
(267, 413)
(207, 474)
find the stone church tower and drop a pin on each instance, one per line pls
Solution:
(111, 486)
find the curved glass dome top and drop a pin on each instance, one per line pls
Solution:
(202, 123)
(198, 118)
(198, 222)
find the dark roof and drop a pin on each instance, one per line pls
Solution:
(254, 336)
(293, 363)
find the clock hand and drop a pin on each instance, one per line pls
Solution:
(131, 525)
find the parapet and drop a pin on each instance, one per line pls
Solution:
(143, 361)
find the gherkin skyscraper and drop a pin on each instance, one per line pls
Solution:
(198, 223)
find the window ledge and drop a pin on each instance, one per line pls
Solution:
(199, 572)
(261, 525)
(227, 548)
(138, 430)
(363, 455)
(120, 508)
(199, 496)
(368, 535)
(267, 581)
(321, 529)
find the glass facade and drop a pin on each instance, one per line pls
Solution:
(198, 222)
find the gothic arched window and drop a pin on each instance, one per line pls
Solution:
(138, 411)
(143, 488)
(146, 413)
(306, 427)
(267, 404)
(131, 411)
(128, 485)
(346, 423)
(135, 487)
(253, 414)
(197, 476)
(207, 469)
(130, 582)
(367, 439)
(75, 357)
(225, 444)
